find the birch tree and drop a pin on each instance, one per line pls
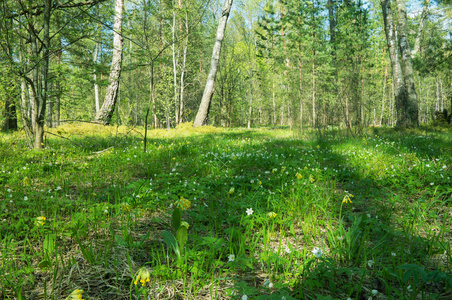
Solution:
(105, 113)
(396, 31)
(203, 111)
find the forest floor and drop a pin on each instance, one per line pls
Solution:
(213, 213)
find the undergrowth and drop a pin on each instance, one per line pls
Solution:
(209, 213)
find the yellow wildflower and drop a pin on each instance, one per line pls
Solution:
(298, 175)
(231, 190)
(311, 178)
(183, 203)
(272, 214)
(185, 224)
(283, 169)
(75, 295)
(27, 181)
(40, 221)
(125, 207)
(347, 198)
(143, 275)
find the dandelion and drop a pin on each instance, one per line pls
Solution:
(75, 295)
(249, 211)
(183, 203)
(317, 252)
(272, 214)
(231, 257)
(298, 175)
(40, 221)
(231, 190)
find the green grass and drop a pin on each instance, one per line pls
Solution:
(112, 215)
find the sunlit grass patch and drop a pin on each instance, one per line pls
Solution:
(213, 213)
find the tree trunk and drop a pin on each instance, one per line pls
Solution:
(273, 93)
(300, 92)
(410, 106)
(398, 80)
(96, 86)
(182, 73)
(40, 72)
(383, 94)
(314, 92)
(105, 114)
(203, 111)
(417, 44)
(173, 50)
(10, 122)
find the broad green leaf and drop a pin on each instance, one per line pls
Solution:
(49, 244)
(176, 218)
(44, 264)
(182, 236)
(170, 241)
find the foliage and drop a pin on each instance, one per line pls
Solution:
(271, 216)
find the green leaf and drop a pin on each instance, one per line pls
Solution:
(182, 236)
(49, 244)
(44, 264)
(176, 218)
(170, 241)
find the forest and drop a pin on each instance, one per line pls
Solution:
(228, 149)
(285, 63)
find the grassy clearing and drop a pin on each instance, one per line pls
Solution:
(226, 214)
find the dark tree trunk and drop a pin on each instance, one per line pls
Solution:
(10, 123)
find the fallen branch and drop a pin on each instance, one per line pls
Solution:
(60, 136)
(101, 151)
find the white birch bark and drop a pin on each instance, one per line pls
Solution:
(182, 73)
(410, 106)
(96, 86)
(203, 111)
(105, 114)
(173, 49)
(417, 44)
